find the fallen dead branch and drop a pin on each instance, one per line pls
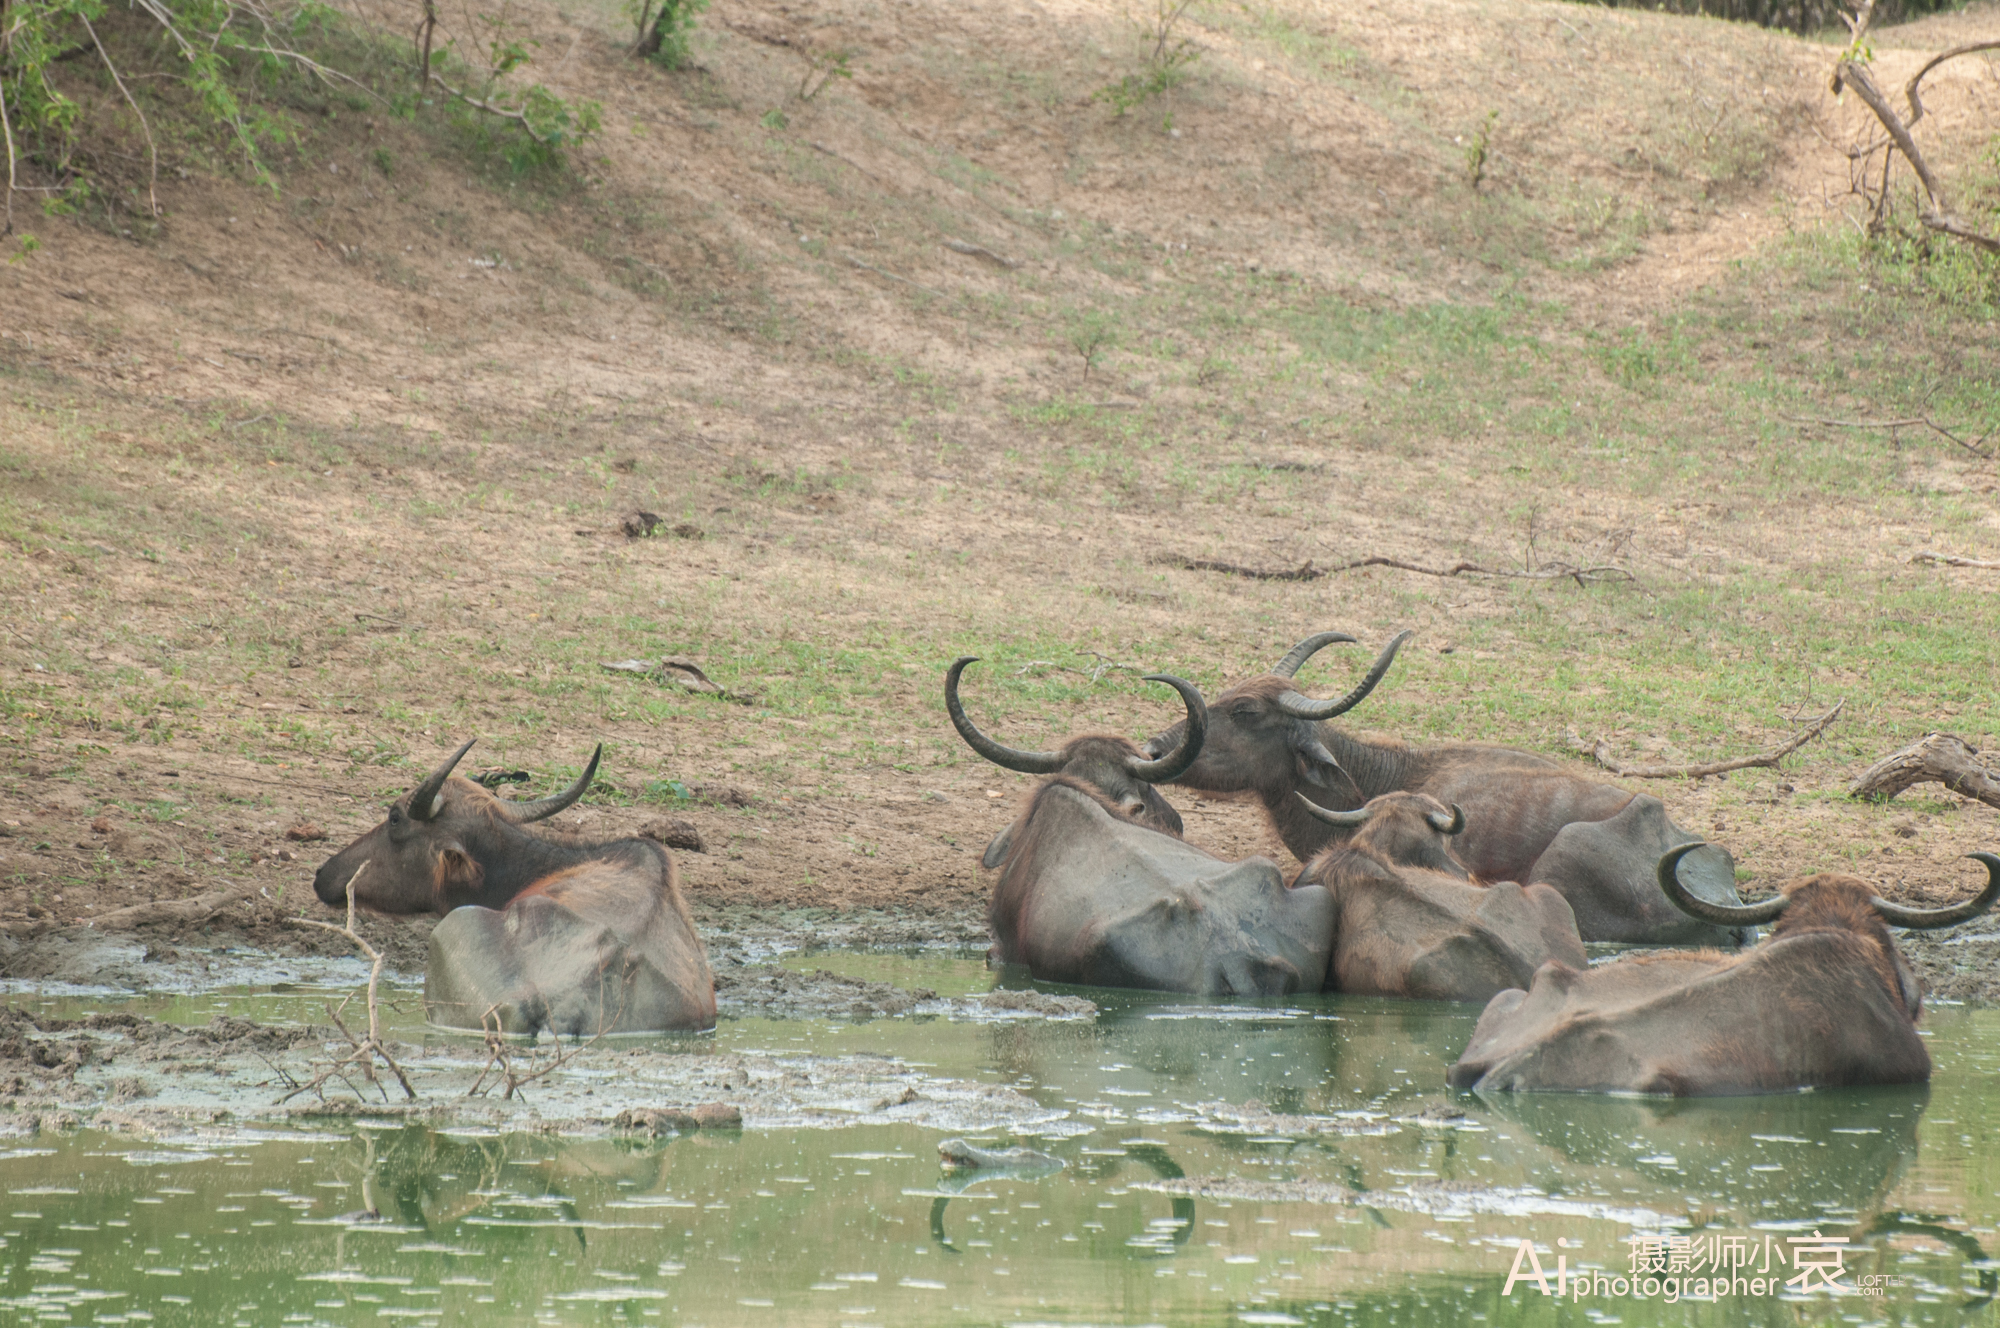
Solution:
(198, 909)
(1556, 571)
(681, 673)
(841, 157)
(362, 1058)
(1306, 571)
(1600, 751)
(1094, 672)
(1851, 71)
(1953, 560)
(1303, 572)
(1896, 426)
(1940, 758)
(870, 267)
(981, 251)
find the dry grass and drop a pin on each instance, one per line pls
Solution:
(314, 486)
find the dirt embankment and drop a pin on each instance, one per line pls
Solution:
(321, 482)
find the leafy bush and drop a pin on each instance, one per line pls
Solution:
(663, 28)
(200, 66)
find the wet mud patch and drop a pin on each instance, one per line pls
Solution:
(1961, 964)
(57, 1071)
(769, 991)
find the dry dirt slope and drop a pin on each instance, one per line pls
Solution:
(317, 483)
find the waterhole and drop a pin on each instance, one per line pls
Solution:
(1292, 1162)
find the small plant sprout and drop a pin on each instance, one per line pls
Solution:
(822, 67)
(1477, 151)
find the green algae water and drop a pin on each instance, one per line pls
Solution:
(1274, 1163)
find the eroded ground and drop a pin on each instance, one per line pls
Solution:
(309, 487)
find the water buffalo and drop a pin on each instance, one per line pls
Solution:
(1409, 923)
(540, 930)
(1097, 887)
(1528, 819)
(1826, 1001)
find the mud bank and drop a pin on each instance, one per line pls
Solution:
(123, 1071)
(206, 956)
(1961, 964)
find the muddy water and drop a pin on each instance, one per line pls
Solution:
(1260, 1164)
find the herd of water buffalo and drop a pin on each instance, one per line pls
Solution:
(1444, 871)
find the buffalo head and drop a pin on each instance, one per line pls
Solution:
(1399, 829)
(1836, 900)
(445, 843)
(1110, 765)
(1265, 730)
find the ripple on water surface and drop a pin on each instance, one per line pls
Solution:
(1233, 1163)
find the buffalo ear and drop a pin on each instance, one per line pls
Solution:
(456, 869)
(996, 852)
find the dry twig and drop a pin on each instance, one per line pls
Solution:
(365, 1050)
(1936, 757)
(1895, 426)
(1303, 572)
(153, 153)
(197, 909)
(1600, 751)
(1953, 560)
(1557, 571)
(981, 251)
(513, 1081)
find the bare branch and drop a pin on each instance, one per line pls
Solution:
(491, 108)
(1856, 424)
(7, 132)
(1953, 560)
(1918, 421)
(1600, 752)
(152, 152)
(1936, 213)
(1306, 571)
(366, 1049)
(513, 1080)
(978, 251)
(1910, 89)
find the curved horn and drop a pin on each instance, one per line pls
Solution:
(428, 801)
(1007, 758)
(1951, 916)
(1353, 820)
(1305, 650)
(1447, 825)
(1174, 762)
(1304, 707)
(520, 813)
(1722, 915)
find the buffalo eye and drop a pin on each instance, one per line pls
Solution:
(1243, 710)
(395, 815)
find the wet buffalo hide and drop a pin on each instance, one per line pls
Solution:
(1088, 897)
(600, 948)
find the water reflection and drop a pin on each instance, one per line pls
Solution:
(1377, 1216)
(1796, 1158)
